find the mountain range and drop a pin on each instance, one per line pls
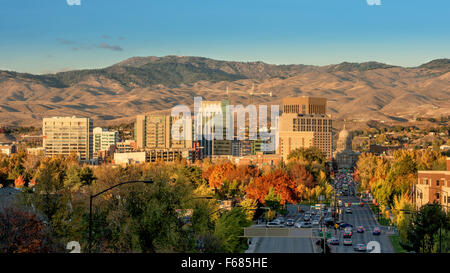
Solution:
(355, 91)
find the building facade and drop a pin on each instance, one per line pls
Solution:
(68, 135)
(214, 140)
(305, 105)
(305, 131)
(155, 132)
(433, 186)
(8, 148)
(104, 139)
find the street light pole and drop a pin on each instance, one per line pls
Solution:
(92, 196)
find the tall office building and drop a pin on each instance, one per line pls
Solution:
(304, 124)
(104, 139)
(68, 135)
(305, 105)
(214, 141)
(155, 132)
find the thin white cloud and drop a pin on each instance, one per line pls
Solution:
(110, 47)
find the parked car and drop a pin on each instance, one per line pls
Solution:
(360, 248)
(315, 223)
(376, 231)
(360, 229)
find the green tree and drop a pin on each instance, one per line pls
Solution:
(424, 228)
(228, 229)
(273, 200)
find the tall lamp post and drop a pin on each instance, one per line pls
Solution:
(99, 193)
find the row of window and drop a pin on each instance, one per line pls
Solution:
(438, 183)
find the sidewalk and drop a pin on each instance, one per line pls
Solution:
(253, 245)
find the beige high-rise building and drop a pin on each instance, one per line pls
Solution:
(68, 135)
(305, 105)
(304, 130)
(155, 132)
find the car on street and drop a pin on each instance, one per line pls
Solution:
(298, 224)
(348, 210)
(315, 223)
(347, 234)
(360, 248)
(348, 242)
(280, 220)
(306, 217)
(289, 222)
(306, 225)
(333, 241)
(273, 224)
(344, 225)
(360, 229)
(376, 231)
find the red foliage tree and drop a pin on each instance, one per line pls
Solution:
(283, 185)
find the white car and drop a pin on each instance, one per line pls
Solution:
(306, 225)
(273, 224)
(315, 223)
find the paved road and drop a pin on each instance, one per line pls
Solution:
(362, 216)
(284, 245)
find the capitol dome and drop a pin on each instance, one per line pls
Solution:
(344, 140)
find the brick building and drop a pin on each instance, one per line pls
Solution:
(433, 186)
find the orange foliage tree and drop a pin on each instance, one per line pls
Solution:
(301, 175)
(283, 185)
(219, 173)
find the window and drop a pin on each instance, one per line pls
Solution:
(437, 196)
(437, 182)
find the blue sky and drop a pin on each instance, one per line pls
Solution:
(41, 36)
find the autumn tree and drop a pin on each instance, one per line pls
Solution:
(401, 209)
(22, 232)
(283, 185)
